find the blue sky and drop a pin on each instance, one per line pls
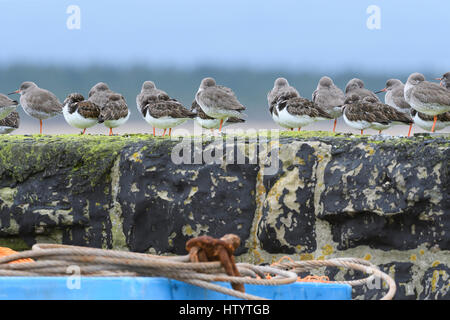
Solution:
(287, 34)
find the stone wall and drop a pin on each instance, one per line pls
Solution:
(309, 195)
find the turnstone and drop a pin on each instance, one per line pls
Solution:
(7, 106)
(38, 103)
(159, 110)
(356, 86)
(115, 112)
(395, 97)
(99, 94)
(281, 86)
(426, 97)
(205, 121)
(329, 97)
(445, 80)
(298, 112)
(148, 89)
(80, 113)
(218, 102)
(370, 113)
(360, 115)
(10, 123)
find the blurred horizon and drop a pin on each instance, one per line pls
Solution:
(250, 86)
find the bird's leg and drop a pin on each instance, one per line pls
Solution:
(40, 124)
(154, 132)
(84, 131)
(335, 122)
(409, 132)
(434, 123)
(170, 132)
(221, 123)
(110, 132)
(164, 132)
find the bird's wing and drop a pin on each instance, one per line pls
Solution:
(365, 112)
(215, 97)
(432, 93)
(301, 106)
(170, 108)
(399, 99)
(393, 114)
(88, 109)
(44, 100)
(5, 101)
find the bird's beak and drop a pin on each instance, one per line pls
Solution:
(384, 90)
(17, 91)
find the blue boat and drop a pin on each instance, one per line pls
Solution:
(147, 288)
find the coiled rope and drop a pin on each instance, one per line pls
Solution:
(54, 260)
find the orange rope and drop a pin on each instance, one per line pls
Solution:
(323, 279)
(310, 278)
(7, 251)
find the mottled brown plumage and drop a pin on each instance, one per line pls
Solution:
(99, 94)
(445, 80)
(280, 86)
(12, 120)
(443, 117)
(87, 109)
(148, 91)
(392, 114)
(357, 109)
(356, 86)
(300, 106)
(115, 108)
(162, 106)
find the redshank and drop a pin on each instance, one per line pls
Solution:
(38, 103)
(329, 97)
(218, 102)
(427, 97)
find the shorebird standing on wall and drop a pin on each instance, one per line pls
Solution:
(80, 113)
(114, 113)
(159, 110)
(218, 102)
(427, 97)
(329, 97)
(38, 103)
(281, 86)
(395, 97)
(207, 122)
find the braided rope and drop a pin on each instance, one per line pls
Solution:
(54, 259)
